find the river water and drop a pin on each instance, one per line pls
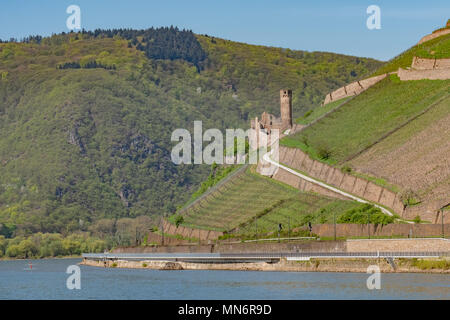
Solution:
(47, 280)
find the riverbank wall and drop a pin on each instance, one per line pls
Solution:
(313, 265)
(356, 245)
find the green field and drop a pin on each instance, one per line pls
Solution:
(366, 118)
(438, 48)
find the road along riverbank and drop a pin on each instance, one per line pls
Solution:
(300, 264)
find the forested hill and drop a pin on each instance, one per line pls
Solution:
(86, 118)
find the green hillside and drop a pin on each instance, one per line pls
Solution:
(234, 206)
(236, 202)
(86, 118)
(366, 118)
(296, 212)
(438, 48)
(394, 134)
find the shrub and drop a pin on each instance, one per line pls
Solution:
(13, 251)
(347, 169)
(365, 213)
(179, 220)
(409, 197)
(417, 219)
(323, 152)
(307, 114)
(144, 265)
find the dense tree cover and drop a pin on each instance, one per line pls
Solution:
(43, 245)
(89, 65)
(78, 146)
(160, 43)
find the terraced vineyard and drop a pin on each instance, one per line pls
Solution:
(367, 117)
(236, 202)
(298, 211)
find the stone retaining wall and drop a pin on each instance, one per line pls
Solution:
(363, 245)
(299, 160)
(434, 74)
(353, 88)
(434, 35)
(191, 232)
(398, 245)
(252, 247)
(430, 64)
(360, 230)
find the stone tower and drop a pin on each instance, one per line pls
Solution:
(286, 108)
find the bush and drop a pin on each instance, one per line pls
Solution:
(417, 219)
(13, 251)
(324, 152)
(409, 197)
(347, 169)
(307, 114)
(179, 220)
(27, 249)
(364, 214)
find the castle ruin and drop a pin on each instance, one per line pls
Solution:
(268, 122)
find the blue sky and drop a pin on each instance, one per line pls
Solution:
(315, 25)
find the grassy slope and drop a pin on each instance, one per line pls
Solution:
(362, 121)
(251, 195)
(373, 114)
(318, 112)
(415, 156)
(298, 211)
(81, 144)
(438, 48)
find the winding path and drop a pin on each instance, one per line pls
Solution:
(267, 158)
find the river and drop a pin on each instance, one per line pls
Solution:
(47, 280)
